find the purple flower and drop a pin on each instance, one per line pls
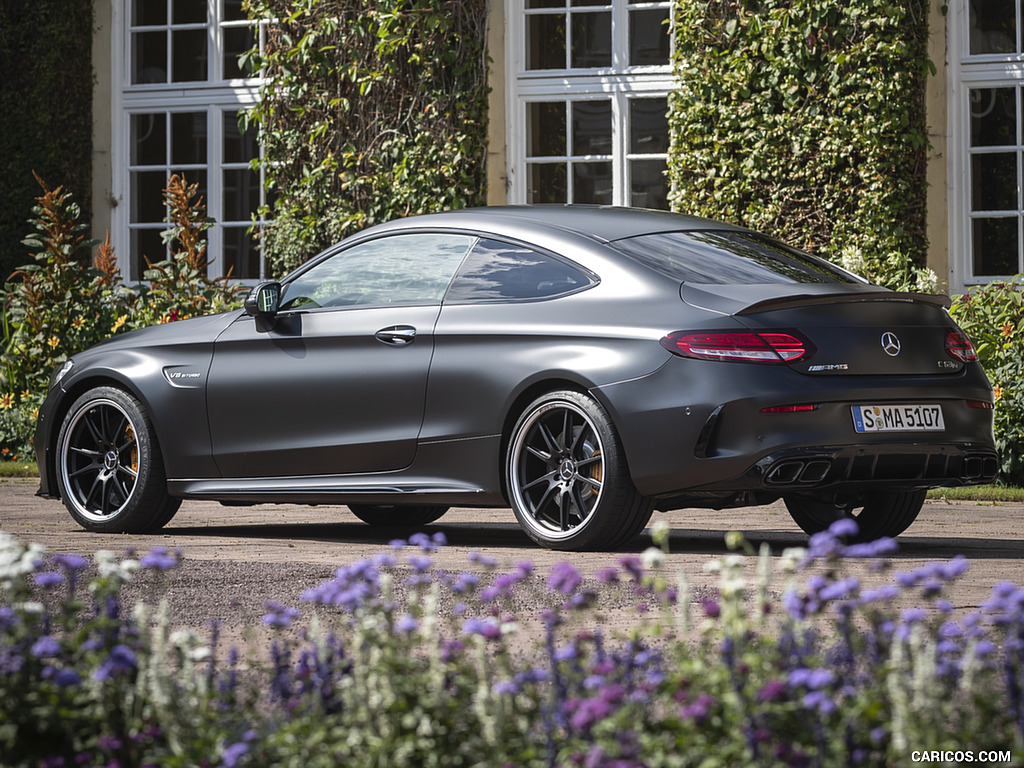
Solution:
(506, 687)
(487, 628)
(588, 712)
(465, 582)
(844, 527)
(279, 616)
(159, 559)
(485, 560)
(234, 753)
(631, 564)
(352, 587)
(775, 690)
(419, 563)
(699, 709)
(878, 548)
(406, 624)
(711, 608)
(46, 646)
(121, 659)
(49, 579)
(608, 575)
(71, 562)
(65, 678)
(564, 578)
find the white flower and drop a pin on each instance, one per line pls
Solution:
(652, 558)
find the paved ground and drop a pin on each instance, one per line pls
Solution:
(240, 557)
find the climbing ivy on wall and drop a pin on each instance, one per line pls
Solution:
(45, 111)
(805, 118)
(371, 110)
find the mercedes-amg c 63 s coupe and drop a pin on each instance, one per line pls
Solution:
(584, 366)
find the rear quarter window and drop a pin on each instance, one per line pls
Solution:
(497, 271)
(729, 258)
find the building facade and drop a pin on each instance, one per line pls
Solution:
(578, 108)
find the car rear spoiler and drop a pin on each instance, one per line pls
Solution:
(751, 299)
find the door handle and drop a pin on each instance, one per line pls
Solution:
(397, 335)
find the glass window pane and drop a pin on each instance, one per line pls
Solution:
(146, 244)
(994, 182)
(241, 257)
(993, 116)
(995, 247)
(592, 183)
(237, 40)
(187, 11)
(149, 139)
(648, 184)
(993, 27)
(149, 57)
(496, 271)
(148, 196)
(238, 147)
(545, 129)
(547, 183)
(591, 40)
(233, 11)
(188, 138)
(400, 269)
(189, 55)
(146, 13)
(241, 194)
(648, 126)
(545, 3)
(545, 41)
(592, 127)
(648, 37)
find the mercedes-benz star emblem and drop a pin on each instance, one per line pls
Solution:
(890, 344)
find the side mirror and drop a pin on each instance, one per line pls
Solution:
(263, 300)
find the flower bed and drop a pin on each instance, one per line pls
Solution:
(818, 670)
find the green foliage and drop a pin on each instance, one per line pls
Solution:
(68, 300)
(45, 109)
(180, 287)
(993, 318)
(370, 111)
(805, 119)
(55, 306)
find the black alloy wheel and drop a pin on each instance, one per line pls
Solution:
(568, 482)
(110, 471)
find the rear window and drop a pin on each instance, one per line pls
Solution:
(729, 258)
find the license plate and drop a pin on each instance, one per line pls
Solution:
(898, 418)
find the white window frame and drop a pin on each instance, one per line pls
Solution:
(212, 96)
(618, 83)
(965, 73)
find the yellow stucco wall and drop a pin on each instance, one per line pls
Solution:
(935, 105)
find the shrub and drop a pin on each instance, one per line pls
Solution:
(370, 111)
(805, 119)
(993, 317)
(842, 675)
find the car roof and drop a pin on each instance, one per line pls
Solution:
(597, 222)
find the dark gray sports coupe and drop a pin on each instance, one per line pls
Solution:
(583, 365)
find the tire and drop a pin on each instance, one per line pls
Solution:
(882, 513)
(110, 472)
(397, 516)
(567, 478)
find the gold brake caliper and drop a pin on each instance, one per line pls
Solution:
(134, 459)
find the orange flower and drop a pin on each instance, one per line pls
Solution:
(54, 342)
(118, 323)
(6, 401)
(1008, 329)
(78, 323)
(997, 391)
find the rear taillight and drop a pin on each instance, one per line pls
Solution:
(960, 347)
(981, 405)
(772, 347)
(802, 408)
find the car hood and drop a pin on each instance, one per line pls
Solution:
(196, 330)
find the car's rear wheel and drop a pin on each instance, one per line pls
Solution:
(568, 482)
(110, 471)
(880, 513)
(397, 516)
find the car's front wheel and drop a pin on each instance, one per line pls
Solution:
(568, 482)
(110, 471)
(396, 516)
(878, 514)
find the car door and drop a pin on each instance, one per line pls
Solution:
(336, 384)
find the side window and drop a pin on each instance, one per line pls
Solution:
(397, 269)
(496, 271)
